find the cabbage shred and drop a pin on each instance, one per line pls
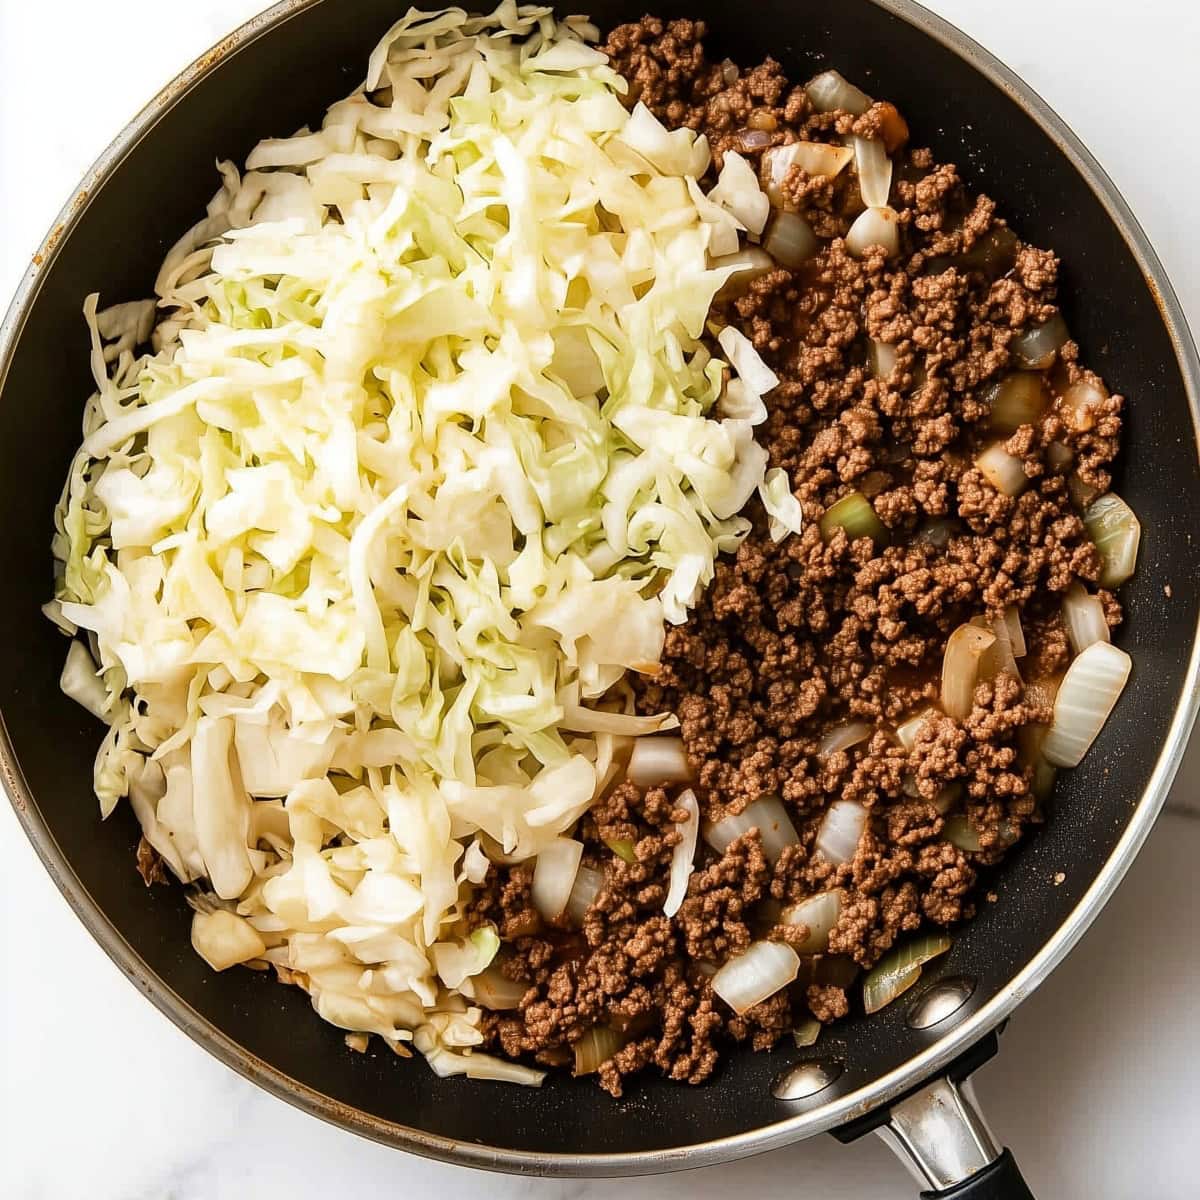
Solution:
(424, 454)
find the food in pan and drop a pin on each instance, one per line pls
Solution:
(589, 551)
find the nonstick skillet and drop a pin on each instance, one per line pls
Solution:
(901, 1071)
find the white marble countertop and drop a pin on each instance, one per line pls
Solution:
(101, 1097)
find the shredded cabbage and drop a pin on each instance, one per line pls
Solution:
(422, 445)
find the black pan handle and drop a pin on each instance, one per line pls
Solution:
(1001, 1179)
(939, 1133)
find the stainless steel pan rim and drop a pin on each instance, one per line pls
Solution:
(818, 1120)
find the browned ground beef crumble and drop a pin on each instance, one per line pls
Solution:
(794, 637)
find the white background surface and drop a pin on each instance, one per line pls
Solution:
(101, 1097)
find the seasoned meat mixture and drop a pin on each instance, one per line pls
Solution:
(889, 367)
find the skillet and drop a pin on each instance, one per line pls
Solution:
(887, 1072)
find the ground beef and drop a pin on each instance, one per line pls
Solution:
(795, 637)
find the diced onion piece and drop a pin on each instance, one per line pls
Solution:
(874, 171)
(959, 831)
(1086, 696)
(806, 1032)
(495, 991)
(881, 358)
(948, 797)
(499, 1070)
(1081, 402)
(874, 227)
(842, 737)
(790, 240)
(960, 668)
(1016, 635)
(554, 873)
(841, 830)
(897, 971)
(589, 883)
(813, 158)
(906, 734)
(938, 532)
(831, 91)
(1018, 399)
(596, 1046)
(767, 815)
(1083, 615)
(1036, 348)
(1002, 470)
(854, 514)
(683, 853)
(1116, 531)
(748, 265)
(999, 656)
(658, 760)
(751, 978)
(1059, 456)
(223, 939)
(819, 914)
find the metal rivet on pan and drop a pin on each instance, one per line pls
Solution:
(940, 1001)
(806, 1079)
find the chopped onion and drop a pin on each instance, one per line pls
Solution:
(842, 737)
(1086, 696)
(831, 91)
(767, 815)
(1018, 399)
(749, 979)
(737, 192)
(854, 514)
(959, 831)
(819, 914)
(683, 853)
(1035, 348)
(748, 265)
(589, 883)
(999, 655)
(495, 991)
(223, 939)
(874, 227)
(841, 830)
(790, 240)
(730, 72)
(596, 1046)
(1081, 402)
(1016, 635)
(874, 171)
(881, 356)
(938, 532)
(554, 873)
(960, 668)
(896, 972)
(1116, 531)
(813, 158)
(1083, 615)
(1059, 456)
(906, 734)
(580, 719)
(806, 1033)
(658, 760)
(1002, 470)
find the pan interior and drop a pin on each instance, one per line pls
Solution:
(285, 78)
